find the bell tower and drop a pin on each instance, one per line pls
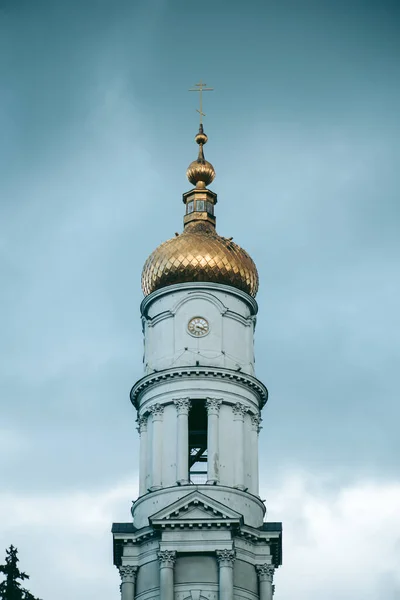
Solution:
(197, 530)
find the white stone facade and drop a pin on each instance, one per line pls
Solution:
(229, 342)
(198, 403)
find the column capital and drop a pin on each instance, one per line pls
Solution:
(213, 405)
(182, 406)
(255, 422)
(265, 572)
(142, 424)
(157, 411)
(239, 410)
(226, 558)
(128, 573)
(167, 558)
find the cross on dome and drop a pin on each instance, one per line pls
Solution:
(200, 88)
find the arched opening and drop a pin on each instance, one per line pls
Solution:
(198, 442)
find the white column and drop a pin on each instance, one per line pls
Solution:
(255, 430)
(167, 562)
(128, 579)
(213, 406)
(157, 412)
(142, 429)
(265, 577)
(182, 446)
(239, 410)
(226, 559)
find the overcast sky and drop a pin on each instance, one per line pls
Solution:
(96, 132)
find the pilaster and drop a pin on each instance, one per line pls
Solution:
(182, 453)
(255, 430)
(156, 411)
(239, 410)
(142, 429)
(213, 405)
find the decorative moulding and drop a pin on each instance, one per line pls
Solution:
(199, 295)
(218, 372)
(198, 286)
(195, 509)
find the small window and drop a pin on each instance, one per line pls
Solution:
(210, 208)
(190, 207)
(200, 206)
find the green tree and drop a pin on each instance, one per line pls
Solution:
(10, 588)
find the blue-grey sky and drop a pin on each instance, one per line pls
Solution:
(97, 130)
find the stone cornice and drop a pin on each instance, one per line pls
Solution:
(196, 287)
(255, 539)
(170, 314)
(258, 535)
(168, 374)
(196, 510)
(216, 523)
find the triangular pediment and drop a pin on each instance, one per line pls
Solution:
(194, 508)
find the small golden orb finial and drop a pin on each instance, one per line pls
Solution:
(201, 137)
(200, 172)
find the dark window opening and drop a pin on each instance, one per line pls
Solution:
(198, 442)
(200, 205)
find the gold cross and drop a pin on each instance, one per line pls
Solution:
(201, 87)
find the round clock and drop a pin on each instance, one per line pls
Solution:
(198, 326)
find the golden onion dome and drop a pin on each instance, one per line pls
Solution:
(199, 254)
(201, 170)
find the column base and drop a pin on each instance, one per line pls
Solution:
(212, 482)
(154, 488)
(241, 487)
(182, 482)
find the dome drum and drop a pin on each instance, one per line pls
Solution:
(204, 216)
(199, 194)
(199, 206)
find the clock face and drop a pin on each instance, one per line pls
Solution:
(198, 326)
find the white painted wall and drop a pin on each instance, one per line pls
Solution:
(231, 317)
(249, 506)
(220, 366)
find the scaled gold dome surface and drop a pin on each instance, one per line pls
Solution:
(199, 254)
